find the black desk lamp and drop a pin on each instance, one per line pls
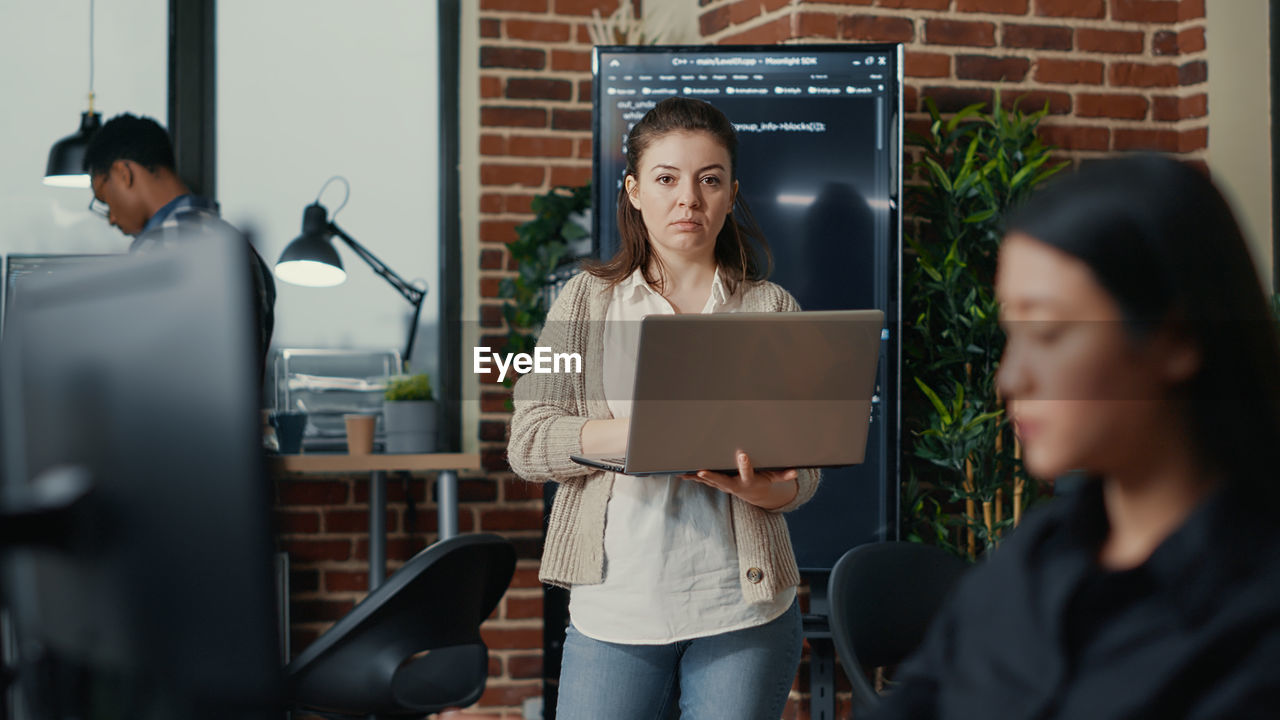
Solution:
(311, 260)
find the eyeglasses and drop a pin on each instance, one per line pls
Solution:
(100, 208)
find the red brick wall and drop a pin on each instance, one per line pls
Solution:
(1118, 75)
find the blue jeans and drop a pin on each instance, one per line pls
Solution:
(740, 675)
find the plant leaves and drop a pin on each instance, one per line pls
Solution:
(972, 169)
(938, 405)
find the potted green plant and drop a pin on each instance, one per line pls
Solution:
(409, 414)
(543, 249)
(964, 481)
(541, 246)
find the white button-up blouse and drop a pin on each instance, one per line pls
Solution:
(671, 565)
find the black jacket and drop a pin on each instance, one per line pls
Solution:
(1041, 631)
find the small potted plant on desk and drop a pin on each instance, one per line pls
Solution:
(409, 415)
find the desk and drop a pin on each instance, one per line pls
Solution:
(377, 465)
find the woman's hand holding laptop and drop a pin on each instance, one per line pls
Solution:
(767, 489)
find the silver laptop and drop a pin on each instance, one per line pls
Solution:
(791, 389)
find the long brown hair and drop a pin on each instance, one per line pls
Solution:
(734, 253)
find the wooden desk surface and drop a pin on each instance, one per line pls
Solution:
(389, 462)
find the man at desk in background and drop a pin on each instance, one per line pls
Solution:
(137, 189)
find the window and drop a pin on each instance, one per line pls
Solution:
(309, 90)
(44, 70)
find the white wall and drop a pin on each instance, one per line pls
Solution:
(307, 90)
(1237, 34)
(44, 86)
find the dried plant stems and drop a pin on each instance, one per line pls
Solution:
(999, 490)
(1018, 483)
(970, 508)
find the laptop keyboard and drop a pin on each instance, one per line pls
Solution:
(615, 460)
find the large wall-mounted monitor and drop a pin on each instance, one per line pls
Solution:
(819, 164)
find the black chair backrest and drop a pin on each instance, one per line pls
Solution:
(413, 645)
(882, 598)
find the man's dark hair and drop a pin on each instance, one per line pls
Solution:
(129, 137)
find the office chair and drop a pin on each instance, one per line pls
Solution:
(413, 645)
(882, 598)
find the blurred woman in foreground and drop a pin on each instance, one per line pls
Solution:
(1140, 350)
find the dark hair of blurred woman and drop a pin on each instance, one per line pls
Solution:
(1162, 241)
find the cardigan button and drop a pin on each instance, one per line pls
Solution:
(755, 575)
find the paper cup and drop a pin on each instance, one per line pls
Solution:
(360, 433)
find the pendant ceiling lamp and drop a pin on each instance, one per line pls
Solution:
(66, 158)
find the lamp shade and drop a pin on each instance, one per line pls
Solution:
(310, 259)
(66, 158)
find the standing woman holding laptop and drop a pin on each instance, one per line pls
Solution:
(680, 586)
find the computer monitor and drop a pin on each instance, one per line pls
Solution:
(19, 267)
(153, 594)
(820, 165)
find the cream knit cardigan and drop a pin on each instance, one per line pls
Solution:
(550, 410)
